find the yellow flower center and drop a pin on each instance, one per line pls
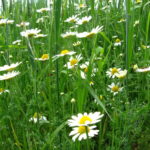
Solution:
(31, 34)
(83, 129)
(118, 41)
(86, 69)
(45, 56)
(1, 90)
(36, 115)
(84, 119)
(114, 70)
(115, 88)
(90, 34)
(73, 62)
(64, 52)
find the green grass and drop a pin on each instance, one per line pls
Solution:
(39, 87)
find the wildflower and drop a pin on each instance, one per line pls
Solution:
(23, 24)
(115, 88)
(40, 36)
(68, 34)
(73, 100)
(40, 20)
(82, 132)
(10, 67)
(84, 20)
(85, 119)
(94, 31)
(117, 42)
(136, 23)
(73, 61)
(44, 57)
(38, 117)
(76, 43)
(9, 75)
(142, 69)
(121, 20)
(91, 83)
(17, 42)
(42, 10)
(80, 6)
(121, 74)
(112, 72)
(30, 33)
(64, 53)
(6, 21)
(72, 19)
(3, 91)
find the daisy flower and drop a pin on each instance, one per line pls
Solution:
(3, 91)
(9, 75)
(43, 57)
(30, 33)
(121, 74)
(71, 19)
(68, 34)
(142, 69)
(117, 42)
(42, 10)
(111, 73)
(85, 119)
(40, 20)
(76, 43)
(38, 117)
(84, 20)
(73, 61)
(114, 88)
(10, 67)
(81, 132)
(64, 53)
(40, 36)
(94, 31)
(23, 24)
(17, 42)
(6, 21)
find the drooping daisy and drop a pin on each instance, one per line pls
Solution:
(72, 19)
(89, 34)
(40, 20)
(117, 42)
(85, 119)
(84, 20)
(44, 57)
(23, 24)
(9, 75)
(111, 73)
(115, 88)
(6, 21)
(142, 69)
(17, 42)
(121, 74)
(68, 34)
(38, 117)
(10, 67)
(81, 132)
(63, 53)
(3, 91)
(76, 43)
(42, 10)
(30, 33)
(73, 61)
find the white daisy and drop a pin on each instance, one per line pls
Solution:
(17, 42)
(38, 117)
(40, 36)
(10, 67)
(73, 61)
(71, 19)
(30, 33)
(3, 91)
(44, 57)
(23, 24)
(63, 53)
(142, 69)
(9, 75)
(85, 119)
(117, 42)
(81, 132)
(42, 10)
(115, 88)
(94, 31)
(76, 43)
(6, 21)
(40, 20)
(68, 34)
(84, 20)
(121, 74)
(111, 73)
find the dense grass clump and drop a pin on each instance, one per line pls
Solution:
(88, 60)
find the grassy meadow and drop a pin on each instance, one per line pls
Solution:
(75, 75)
